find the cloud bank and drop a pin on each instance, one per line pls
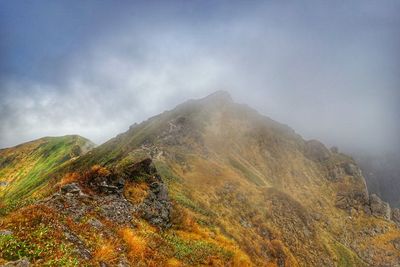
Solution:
(330, 71)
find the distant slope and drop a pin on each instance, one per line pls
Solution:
(25, 168)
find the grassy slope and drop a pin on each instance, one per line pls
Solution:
(26, 168)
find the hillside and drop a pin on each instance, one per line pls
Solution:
(210, 182)
(25, 169)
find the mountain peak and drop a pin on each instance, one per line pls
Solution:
(220, 95)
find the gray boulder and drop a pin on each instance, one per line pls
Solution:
(379, 208)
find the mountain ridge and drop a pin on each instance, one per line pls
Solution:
(215, 182)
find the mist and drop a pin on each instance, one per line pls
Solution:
(328, 70)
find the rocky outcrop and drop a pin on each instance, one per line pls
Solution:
(104, 195)
(352, 196)
(396, 216)
(351, 169)
(379, 208)
(156, 207)
(352, 189)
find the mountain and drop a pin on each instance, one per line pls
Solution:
(211, 182)
(25, 169)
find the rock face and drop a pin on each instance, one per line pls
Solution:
(156, 207)
(379, 208)
(352, 189)
(396, 216)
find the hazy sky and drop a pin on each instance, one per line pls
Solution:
(328, 69)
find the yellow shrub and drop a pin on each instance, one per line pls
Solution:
(106, 252)
(173, 263)
(136, 244)
(136, 193)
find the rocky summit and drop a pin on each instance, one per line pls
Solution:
(210, 182)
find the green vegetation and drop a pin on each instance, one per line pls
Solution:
(38, 246)
(13, 249)
(196, 252)
(246, 172)
(165, 172)
(188, 203)
(34, 162)
(346, 257)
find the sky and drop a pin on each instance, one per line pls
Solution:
(328, 69)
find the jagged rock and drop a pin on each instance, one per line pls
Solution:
(379, 207)
(395, 216)
(156, 207)
(351, 169)
(352, 191)
(316, 151)
(72, 188)
(352, 197)
(110, 200)
(18, 263)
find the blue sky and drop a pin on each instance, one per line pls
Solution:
(329, 69)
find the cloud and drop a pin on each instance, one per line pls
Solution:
(329, 71)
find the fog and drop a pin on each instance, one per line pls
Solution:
(328, 70)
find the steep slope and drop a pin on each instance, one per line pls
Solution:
(382, 173)
(24, 169)
(210, 182)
